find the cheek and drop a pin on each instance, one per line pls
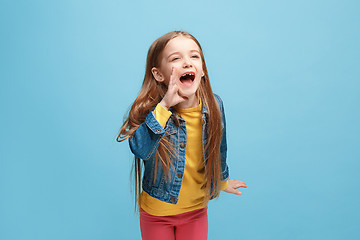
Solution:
(177, 66)
(166, 72)
(166, 67)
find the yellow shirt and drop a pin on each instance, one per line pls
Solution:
(191, 196)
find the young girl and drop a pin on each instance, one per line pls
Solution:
(176, 128)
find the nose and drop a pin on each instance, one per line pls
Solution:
(187, 63)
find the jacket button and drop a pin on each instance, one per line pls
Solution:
(172, 199)
(180, 175)
(158, 130)
(182, 145)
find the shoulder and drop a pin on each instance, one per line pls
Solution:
(221, 108)
(219, 100)
(216, 96)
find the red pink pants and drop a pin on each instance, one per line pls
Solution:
(185, 226)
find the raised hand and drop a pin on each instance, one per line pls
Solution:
(173, 94)
(233, 185)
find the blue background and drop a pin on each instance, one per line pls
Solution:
(288, 72)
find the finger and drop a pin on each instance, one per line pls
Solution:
(173, 76)
(239, 186)
(178, 98)
(173, 93)
(182, 98)
(173, 88)
(182, 95)
(236, 192)
(237, 183)
(242, 184)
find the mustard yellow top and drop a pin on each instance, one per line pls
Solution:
(191, 196)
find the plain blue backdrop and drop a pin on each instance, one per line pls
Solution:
(288, 72)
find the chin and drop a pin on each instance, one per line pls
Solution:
(188, 92)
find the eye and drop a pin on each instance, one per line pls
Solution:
(174, 59)
(195, 56)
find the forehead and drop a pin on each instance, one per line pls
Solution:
(180, 44)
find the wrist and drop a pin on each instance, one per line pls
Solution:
(164, 105)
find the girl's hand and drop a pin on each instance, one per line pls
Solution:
(233, 185)
(172, 96)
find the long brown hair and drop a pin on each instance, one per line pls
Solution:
(150, 95)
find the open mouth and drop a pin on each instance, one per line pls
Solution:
(187, 78)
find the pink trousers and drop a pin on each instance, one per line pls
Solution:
(185, 226)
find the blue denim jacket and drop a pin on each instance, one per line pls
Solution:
(145, 141)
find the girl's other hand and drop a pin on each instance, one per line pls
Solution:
(233, 185)
(172, 96)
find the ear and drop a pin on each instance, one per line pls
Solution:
(157, 74)
(203, 74)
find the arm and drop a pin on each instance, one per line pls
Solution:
(145, 140)
(230, 185)
(223, 145)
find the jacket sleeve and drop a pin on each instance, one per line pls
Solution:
(223, 144)
(145, 140)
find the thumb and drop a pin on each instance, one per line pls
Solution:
(234, 191)
(237, 192)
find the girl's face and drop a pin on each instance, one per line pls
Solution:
(183, 54)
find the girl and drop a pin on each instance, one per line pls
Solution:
(176, 128)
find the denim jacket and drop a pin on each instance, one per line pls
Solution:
(145, 141)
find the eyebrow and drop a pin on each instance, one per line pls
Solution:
(178, 52)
